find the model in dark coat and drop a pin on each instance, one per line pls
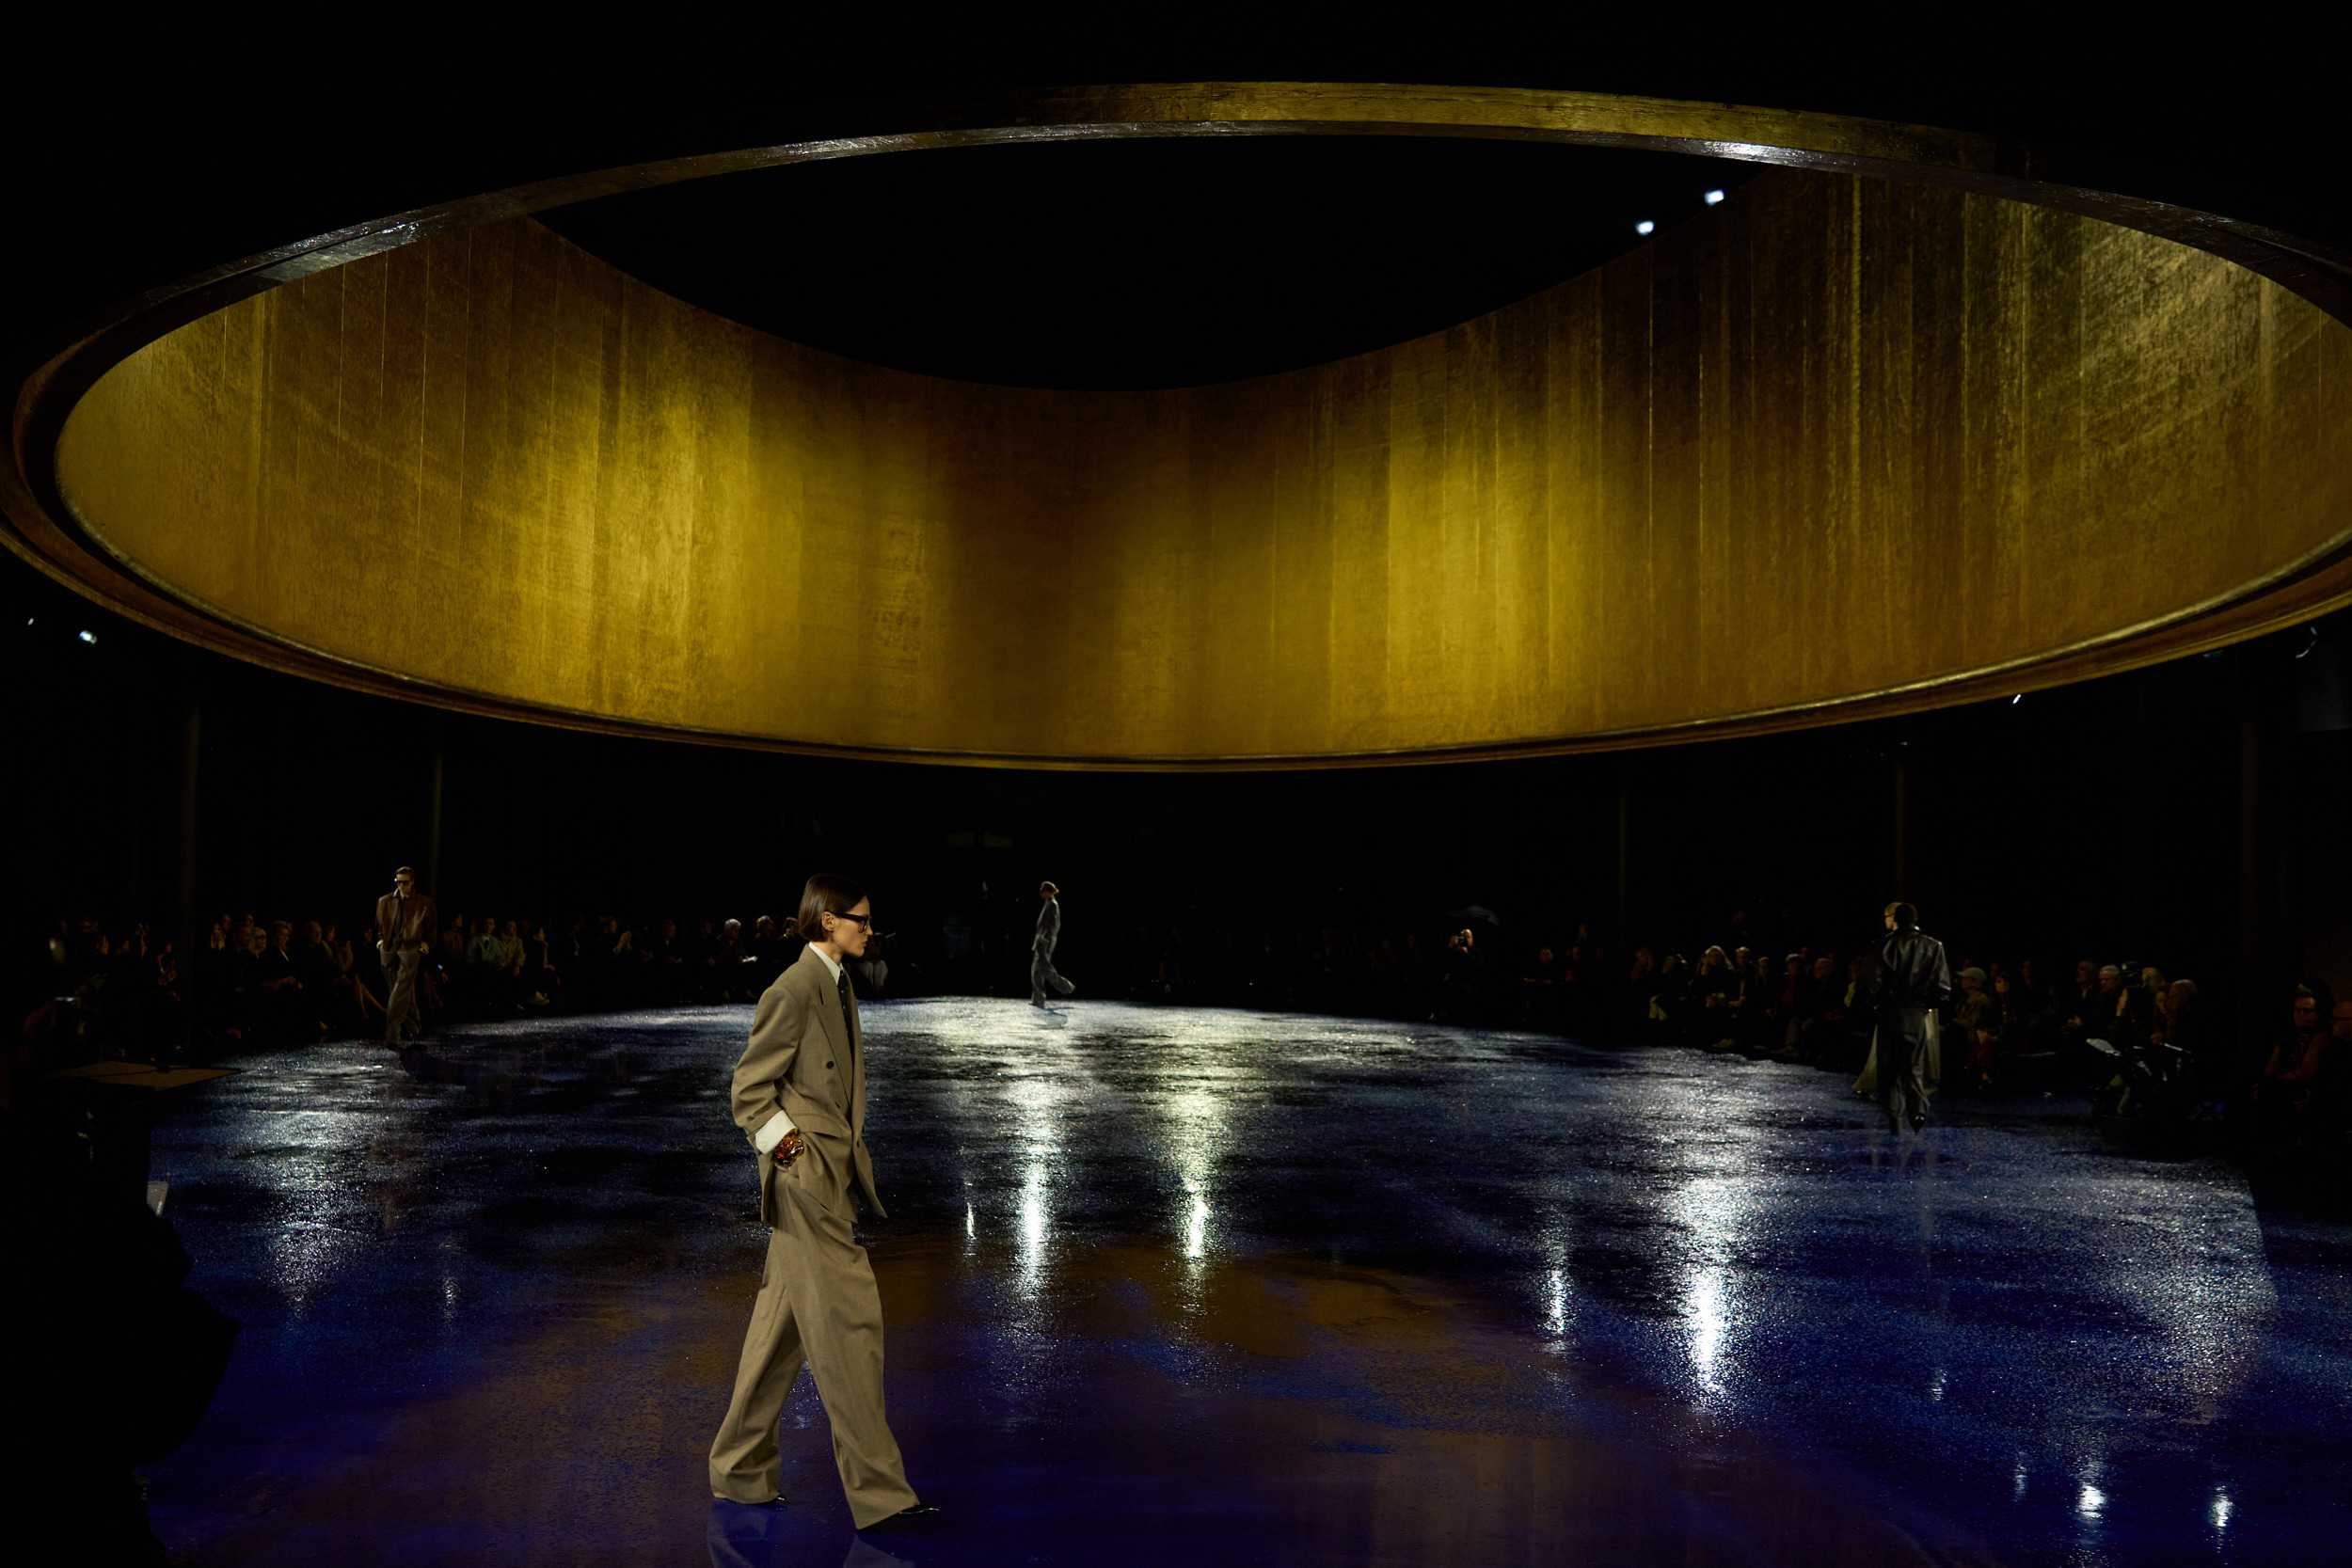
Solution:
(1904, 981)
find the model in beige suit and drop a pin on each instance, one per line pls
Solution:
(800, 1096)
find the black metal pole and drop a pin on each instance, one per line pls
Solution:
(1898, 845)
(2252, 967)
(2139, 826)
(1621, 945)
(433, 830)
(191, 759)
(1623, 936)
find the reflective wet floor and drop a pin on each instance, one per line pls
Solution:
(1175, 1286)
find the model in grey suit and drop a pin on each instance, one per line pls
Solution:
(1042, 979)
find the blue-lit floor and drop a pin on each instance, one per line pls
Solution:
(1187, 1287)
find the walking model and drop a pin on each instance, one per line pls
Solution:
(405, 929)
(800, 1096)
(1042, 979)
(1904, 981)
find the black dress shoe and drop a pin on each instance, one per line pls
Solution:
(912, 1516)
(1918, 1122)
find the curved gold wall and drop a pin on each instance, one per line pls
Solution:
(1838, 440)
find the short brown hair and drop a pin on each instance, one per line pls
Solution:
(825, 894)
(1048, 889)
(1903, 914)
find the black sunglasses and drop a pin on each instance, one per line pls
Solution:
(865, 920)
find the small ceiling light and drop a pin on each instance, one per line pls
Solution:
(2312, 644)
(2019, 698)
(90, 636)
(1713, 197)
(1644, 226)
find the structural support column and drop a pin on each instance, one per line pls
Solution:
(1621, 939)
(2138, 824)
(433, 828)
(1899, 823)
(2269, 939)
(184, 934)
(2252, 970)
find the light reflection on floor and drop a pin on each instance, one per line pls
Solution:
(1167, 1284)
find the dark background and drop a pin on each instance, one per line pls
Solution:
(1145, 262)
(2101, 820)
(2188, 815)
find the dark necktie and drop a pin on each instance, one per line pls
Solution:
(848, 1030)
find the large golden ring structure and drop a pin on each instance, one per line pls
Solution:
(1910, 421)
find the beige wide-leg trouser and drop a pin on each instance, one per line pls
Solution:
(818, 1302)
(401, 998)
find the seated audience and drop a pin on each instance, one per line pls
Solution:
(246, 983)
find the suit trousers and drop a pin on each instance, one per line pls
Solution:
(1905, 1035)
(1043, 981)
(407, 964)
(816, 1301)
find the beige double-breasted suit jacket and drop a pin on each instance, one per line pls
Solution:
(816, 1076)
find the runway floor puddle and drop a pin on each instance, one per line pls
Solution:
(1201, 1286)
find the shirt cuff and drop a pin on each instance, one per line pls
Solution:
(771, 1133)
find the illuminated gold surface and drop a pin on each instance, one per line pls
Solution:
(1835, 438)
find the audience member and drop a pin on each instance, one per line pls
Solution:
(2178, 1023)
(1975, 1024)
(2285, 1095)
(1465, 963)
(274, 985)
(1714, 994)
(2075, 1008)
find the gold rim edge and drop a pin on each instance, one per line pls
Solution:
(1773, 136)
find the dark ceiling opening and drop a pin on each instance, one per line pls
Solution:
(1141, 263)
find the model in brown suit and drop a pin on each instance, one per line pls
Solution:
(799, 1097)
(404, 927)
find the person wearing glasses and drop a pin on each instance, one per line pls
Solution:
(1042, 979)
(406, 925)
(799, 1097)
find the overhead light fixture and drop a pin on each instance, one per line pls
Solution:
(1713, 197)
(1644, 226)
(90, 636)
